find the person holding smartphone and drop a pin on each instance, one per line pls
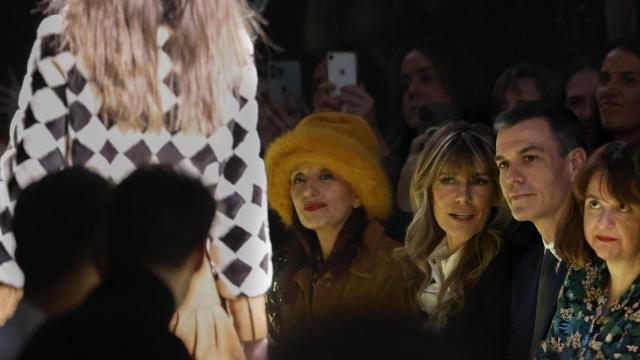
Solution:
(343, 92)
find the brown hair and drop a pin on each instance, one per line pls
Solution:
(469, 147)
(547, 85)
(618, 164)
(350, 238)
(115, 42)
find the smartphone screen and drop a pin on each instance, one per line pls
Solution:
(342, 69)
(285, 85)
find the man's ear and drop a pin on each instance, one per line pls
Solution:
(576, 157)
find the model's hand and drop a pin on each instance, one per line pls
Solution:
(256, 350)
(9, 299)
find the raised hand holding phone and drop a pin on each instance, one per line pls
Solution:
(341, 70)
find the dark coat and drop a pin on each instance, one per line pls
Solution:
(372, 286)
(524, 299)
(125, 318)
(480, 330)
(483, 323)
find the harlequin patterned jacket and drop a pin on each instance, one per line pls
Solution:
(584, 328)
(58, 124)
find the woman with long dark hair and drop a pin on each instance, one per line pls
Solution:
(327, 185)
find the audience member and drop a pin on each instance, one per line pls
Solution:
(159, 221)
(597, 314)
(439, 84)
(60, 223)
(351, 99)
(274, 119)
(327, 185)
(454, 242)
(524, 82)
(580, 86)
(173, 83)
(619, 92)
(539, 149)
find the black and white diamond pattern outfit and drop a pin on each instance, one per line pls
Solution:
(58, 124)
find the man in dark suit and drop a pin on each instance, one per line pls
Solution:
(539, 149)
(158, 224)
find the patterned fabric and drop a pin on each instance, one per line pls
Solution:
(442, 263)
(583, 328)
(58, 124)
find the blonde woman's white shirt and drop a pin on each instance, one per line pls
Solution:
(442, 263)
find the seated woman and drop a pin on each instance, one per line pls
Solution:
(326, 183)
(598, 313)
(462, 272)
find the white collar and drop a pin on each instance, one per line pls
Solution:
(442, 263)
(551, 247)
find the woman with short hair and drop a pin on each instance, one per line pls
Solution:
(598, 313)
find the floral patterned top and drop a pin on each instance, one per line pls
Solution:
(583, 328)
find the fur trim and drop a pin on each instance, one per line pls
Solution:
(343, 143)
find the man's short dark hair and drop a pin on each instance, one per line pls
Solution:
(159, 217)
(563, 122)
(59, 222)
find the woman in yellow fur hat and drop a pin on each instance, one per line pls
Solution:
(326, 183)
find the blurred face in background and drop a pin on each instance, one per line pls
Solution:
(580, 97)
(522, 90)
(619, 95)
(420, 86)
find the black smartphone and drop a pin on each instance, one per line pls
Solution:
(285, 84)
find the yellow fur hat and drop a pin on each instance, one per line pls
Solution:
(346, 145)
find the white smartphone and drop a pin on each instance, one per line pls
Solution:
(285, 83)
(342, 69)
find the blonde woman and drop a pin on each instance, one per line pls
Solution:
(454, 242)
(116, 84)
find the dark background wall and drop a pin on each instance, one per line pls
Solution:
(494, 33)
